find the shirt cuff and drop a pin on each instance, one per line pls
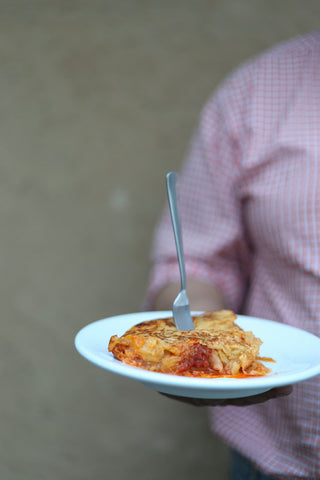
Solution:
(222, 276)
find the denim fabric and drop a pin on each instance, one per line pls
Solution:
(243, 469)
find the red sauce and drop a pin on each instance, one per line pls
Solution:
(199, 374)
(196, 358)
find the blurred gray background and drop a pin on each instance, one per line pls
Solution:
(98, 102)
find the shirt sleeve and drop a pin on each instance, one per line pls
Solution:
(214, 239)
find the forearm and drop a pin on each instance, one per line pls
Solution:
(202, 296)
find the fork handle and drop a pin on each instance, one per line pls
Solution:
(172, 196)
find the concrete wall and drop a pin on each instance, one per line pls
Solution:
(98, 102)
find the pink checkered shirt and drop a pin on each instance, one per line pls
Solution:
(250, 212)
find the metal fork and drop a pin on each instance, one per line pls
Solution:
(181, 307)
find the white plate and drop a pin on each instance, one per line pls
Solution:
(296, 352)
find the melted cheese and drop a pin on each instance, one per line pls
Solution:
(217, 346)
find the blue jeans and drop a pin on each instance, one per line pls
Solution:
(242, 469)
